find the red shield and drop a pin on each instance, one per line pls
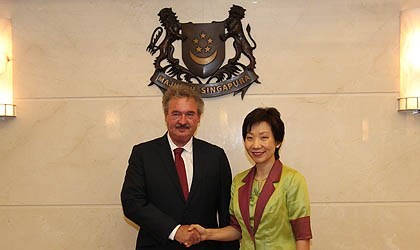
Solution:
(203, 52)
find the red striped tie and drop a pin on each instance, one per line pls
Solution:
(180, 168)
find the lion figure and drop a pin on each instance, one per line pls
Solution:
(234, 29)
(172, 27)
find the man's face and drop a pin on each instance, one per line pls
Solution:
(182, 119)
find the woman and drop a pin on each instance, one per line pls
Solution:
(269, 205)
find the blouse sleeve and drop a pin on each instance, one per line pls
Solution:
(298, 205)
(233, 221)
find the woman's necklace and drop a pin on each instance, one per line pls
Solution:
(260, 184)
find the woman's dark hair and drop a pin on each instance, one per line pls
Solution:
(272, 117)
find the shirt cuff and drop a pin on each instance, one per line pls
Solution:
(302, 228)
(172, 235)
(234, 223)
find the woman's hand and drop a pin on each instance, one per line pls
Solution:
(201, 230)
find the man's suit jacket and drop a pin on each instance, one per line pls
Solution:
(152, 196)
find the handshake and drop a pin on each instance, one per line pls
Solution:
(189, 235)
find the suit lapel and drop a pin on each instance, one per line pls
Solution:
(198, 167)
(244, 194)
(266, 192)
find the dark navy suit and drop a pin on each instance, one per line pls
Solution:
(152, 196)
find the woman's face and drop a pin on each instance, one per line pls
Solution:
(260, 144)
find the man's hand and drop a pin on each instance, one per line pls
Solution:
(187, 237)
(199, 229)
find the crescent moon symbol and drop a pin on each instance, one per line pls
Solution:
(203, 60)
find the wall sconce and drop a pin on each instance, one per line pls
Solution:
(7, 108)
(410, 61)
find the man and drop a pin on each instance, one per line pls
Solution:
(158, 198)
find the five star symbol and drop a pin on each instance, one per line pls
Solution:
(202, 37)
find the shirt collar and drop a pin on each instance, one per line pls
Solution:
(187, 147)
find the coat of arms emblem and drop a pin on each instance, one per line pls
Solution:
(203, 54)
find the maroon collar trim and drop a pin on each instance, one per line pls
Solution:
(244, 194)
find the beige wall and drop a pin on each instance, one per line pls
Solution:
(81, 74)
